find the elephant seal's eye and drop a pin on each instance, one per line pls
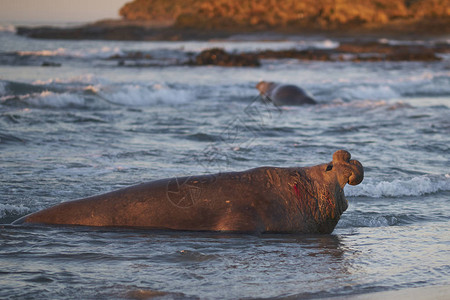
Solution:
(329, 167)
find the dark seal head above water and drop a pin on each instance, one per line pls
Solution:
(265, 199)
(284, 94)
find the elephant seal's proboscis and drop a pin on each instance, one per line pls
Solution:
(265, 199)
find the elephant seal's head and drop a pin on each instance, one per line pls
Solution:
(265, 87)
(340, 171)
(346, 170)
(324, 186)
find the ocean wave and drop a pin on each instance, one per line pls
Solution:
(12, 210)
(141, 95)
(326, 44)
(82, 79)
(8, 28)
(47, 99)
(364, 105)
(13, 88)
(416, 186)
(3, 85)
(366, 220)
(103, 52)
(245, 45)
(372, 92)
(354, 218)
(433, 85)
(9, 138)
(76, 92)
(414, 84)
(411, 42)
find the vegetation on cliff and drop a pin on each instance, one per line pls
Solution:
(267, 14)
(158, 10)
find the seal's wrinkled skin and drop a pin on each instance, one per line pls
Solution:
(266, 199)
(283, 94)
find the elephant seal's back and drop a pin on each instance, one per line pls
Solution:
(284, 94)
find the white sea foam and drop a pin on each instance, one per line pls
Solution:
(86, 79)
(376, 92)
(401, 42)
(326, 44)
(386, 86)
(7, 28)
(139, 95)
(416, 186)
(123, 94)
(367, 221)
(3, 88)
(413, 42)
(423, 83)
(364, 105)
(92, 88)
(244, 45)
(8, 209)
(54, 100)
(103, 52)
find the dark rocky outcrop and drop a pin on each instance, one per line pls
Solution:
(357, 51)
(50, 64)
(219, 57)
(122, 30)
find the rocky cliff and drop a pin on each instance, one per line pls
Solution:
(206, 19)
(285, 14)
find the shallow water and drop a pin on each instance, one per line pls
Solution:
(91, 126)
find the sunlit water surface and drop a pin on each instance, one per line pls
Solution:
(91, 126)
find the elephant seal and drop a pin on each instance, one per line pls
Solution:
(283, 94)
(265, 199)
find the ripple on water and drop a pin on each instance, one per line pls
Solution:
(185, 257)
(71, 134)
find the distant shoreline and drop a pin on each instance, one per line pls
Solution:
(355, 44)
(123, 30)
